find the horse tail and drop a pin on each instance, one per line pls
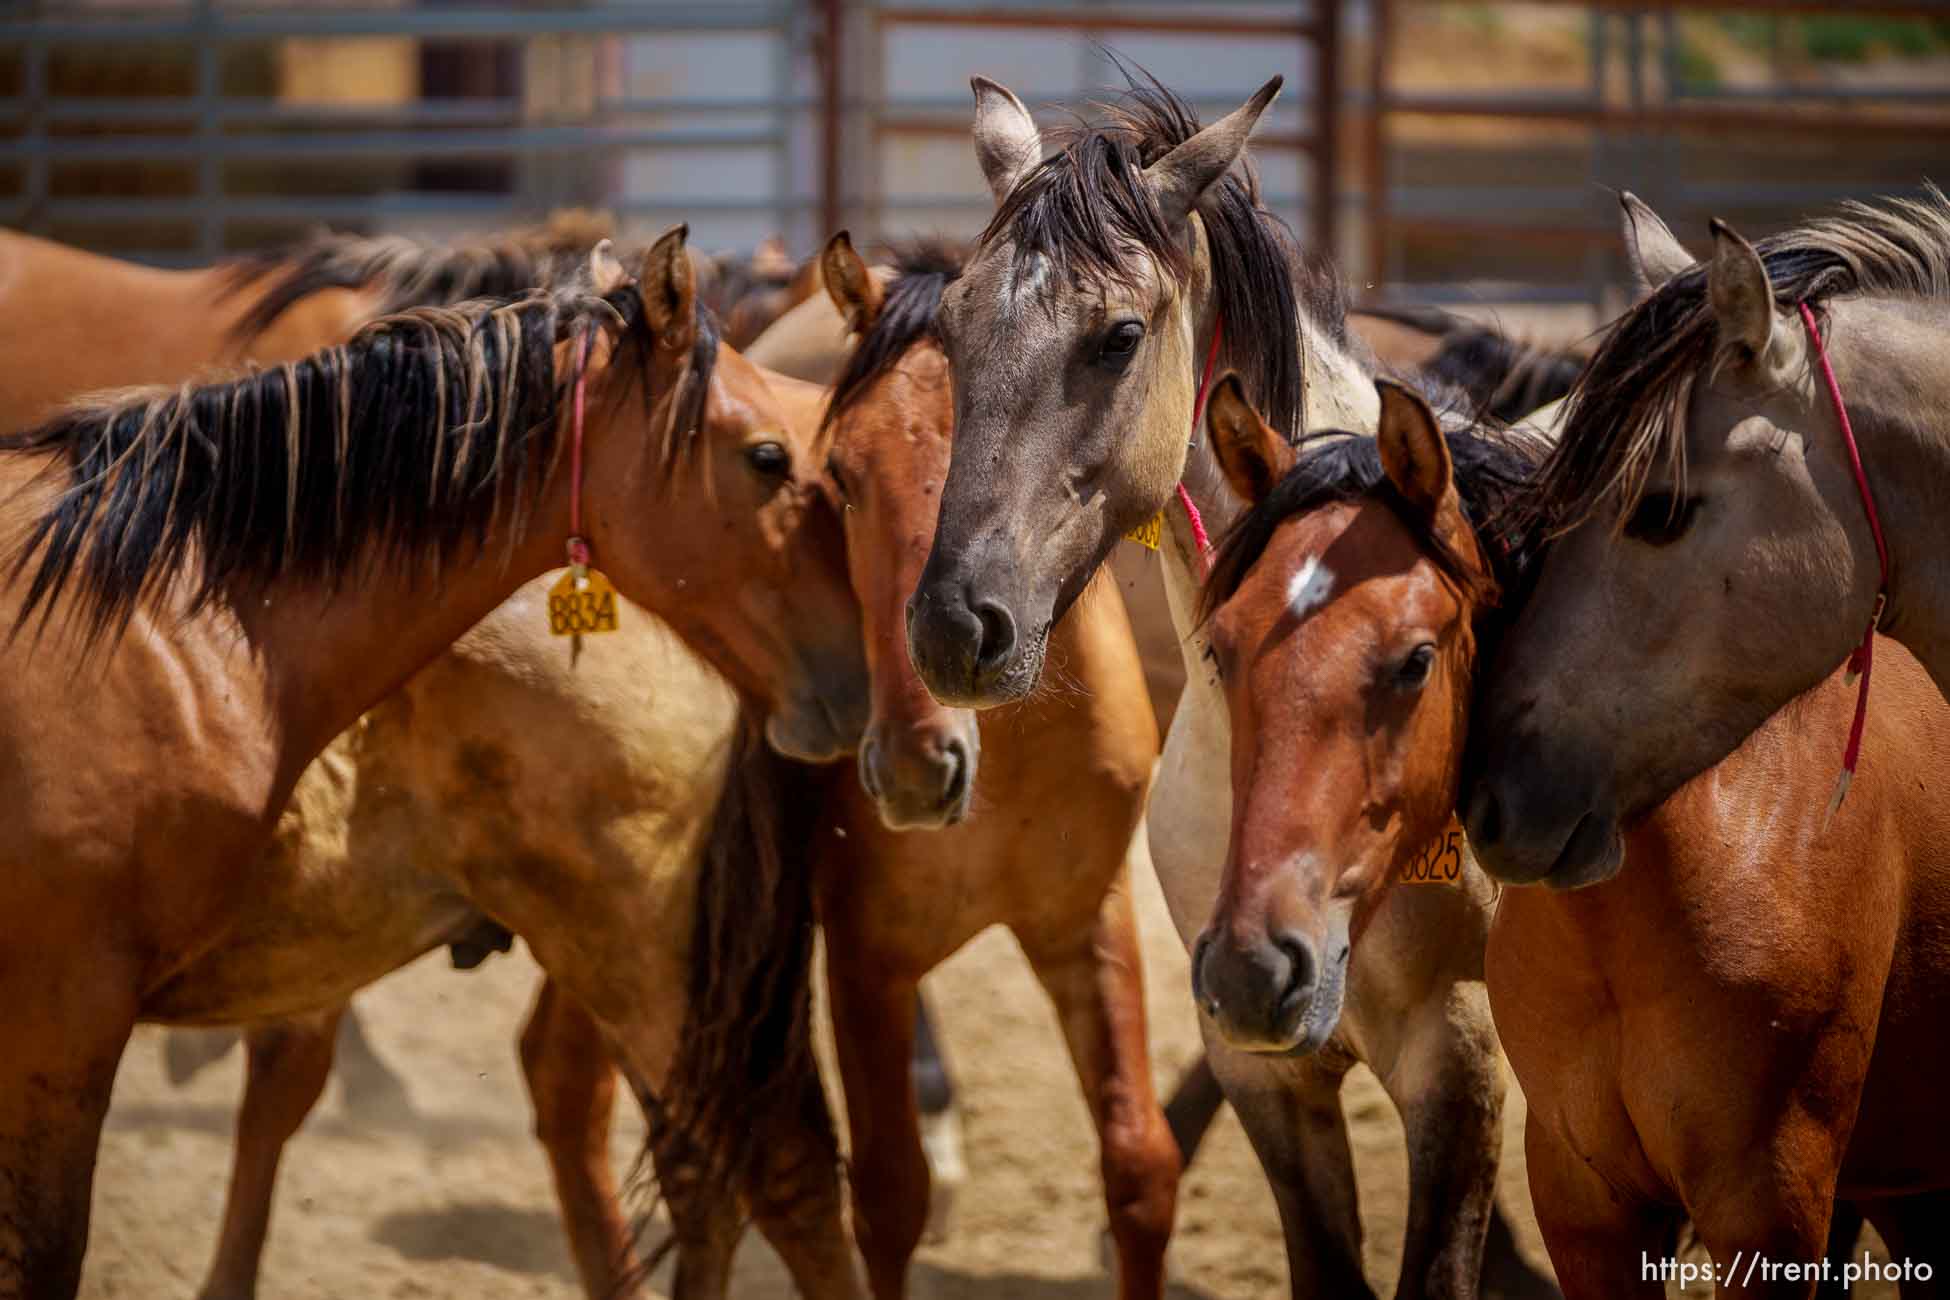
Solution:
(736, 1093)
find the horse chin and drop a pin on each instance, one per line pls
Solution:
(813, 729)
(1593, 854)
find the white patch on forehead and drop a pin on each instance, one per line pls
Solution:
(1310, 588)
(1025, 279)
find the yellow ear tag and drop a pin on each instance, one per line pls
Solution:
(1439, 862)
(1148, 533)
(581, 603)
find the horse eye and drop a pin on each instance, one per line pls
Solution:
(1413, 674)
(769, 459)
(1661, 518)
(839, 481)
(1120, 345)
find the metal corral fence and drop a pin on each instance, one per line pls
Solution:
(179, 130)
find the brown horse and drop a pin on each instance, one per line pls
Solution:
(1739, 1028)
(73, 322)
(185, 553)
(1730, 564)
(1061, 780)
(1070, 771)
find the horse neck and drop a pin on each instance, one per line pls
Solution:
(1340, 394)
(327, 657)
(1889, 363)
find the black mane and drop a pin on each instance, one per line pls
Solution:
(922, 272)
(401, 446)
(1622, 420)
(1086, 208)
(1492, 466)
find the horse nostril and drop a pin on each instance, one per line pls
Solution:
(1299, 984)
(998, 635)
(955, 762)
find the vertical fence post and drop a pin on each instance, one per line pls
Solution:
(832, 213)
(1376, 163)
(209, 168)
(1326, 129)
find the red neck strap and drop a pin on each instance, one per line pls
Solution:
(1863, 659)
(578, 544)
(1192, 515)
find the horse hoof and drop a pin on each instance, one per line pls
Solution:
(941, 1142)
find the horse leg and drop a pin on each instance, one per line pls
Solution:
(1765, 1197)
(1912, 1227)
(1194, 1104)
(64, 1022)
(1603, 1245)
(940, 1122)
(1291, 1111)
(572, 1084)
(1446, 1079)
(1098, 990)
(873, 1020)
(705, 1218)
(286, 1065)
(798, 1204)
(369, 1087)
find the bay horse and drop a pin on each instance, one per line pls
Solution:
(1717, 558)
(185, 553)
(1739, 1029)
(1077, 336)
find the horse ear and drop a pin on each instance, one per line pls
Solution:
(1253, 455)
(852, 287)
(606, 274)
(1414, 454)
(1653, 250)
(1007, 143)
(1181, 178)
(668, 286)
(1742, 299)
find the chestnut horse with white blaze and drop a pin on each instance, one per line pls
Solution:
(185, 554)
(1120, 270)
(1777, 983)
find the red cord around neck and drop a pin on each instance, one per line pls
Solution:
(1863, 659)
(1192, 516)
(578, 545)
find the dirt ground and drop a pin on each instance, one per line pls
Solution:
(453, 1200)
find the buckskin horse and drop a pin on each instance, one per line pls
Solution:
(183, 556)
(1740, 1027)
(1117, 271)
(1749, 480)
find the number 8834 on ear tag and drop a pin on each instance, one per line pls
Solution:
(581, 603)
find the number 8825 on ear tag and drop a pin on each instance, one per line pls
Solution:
(581, 603)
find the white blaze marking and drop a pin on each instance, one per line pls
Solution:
(1310, 588)
(1030, 271)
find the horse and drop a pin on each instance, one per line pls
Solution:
(1076, 337)
(1718, 558)
(76, 322)
(893, 904)
(183, 556)
(1061, 779)
(1781, 977)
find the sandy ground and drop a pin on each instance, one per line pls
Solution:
(454, 1201)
